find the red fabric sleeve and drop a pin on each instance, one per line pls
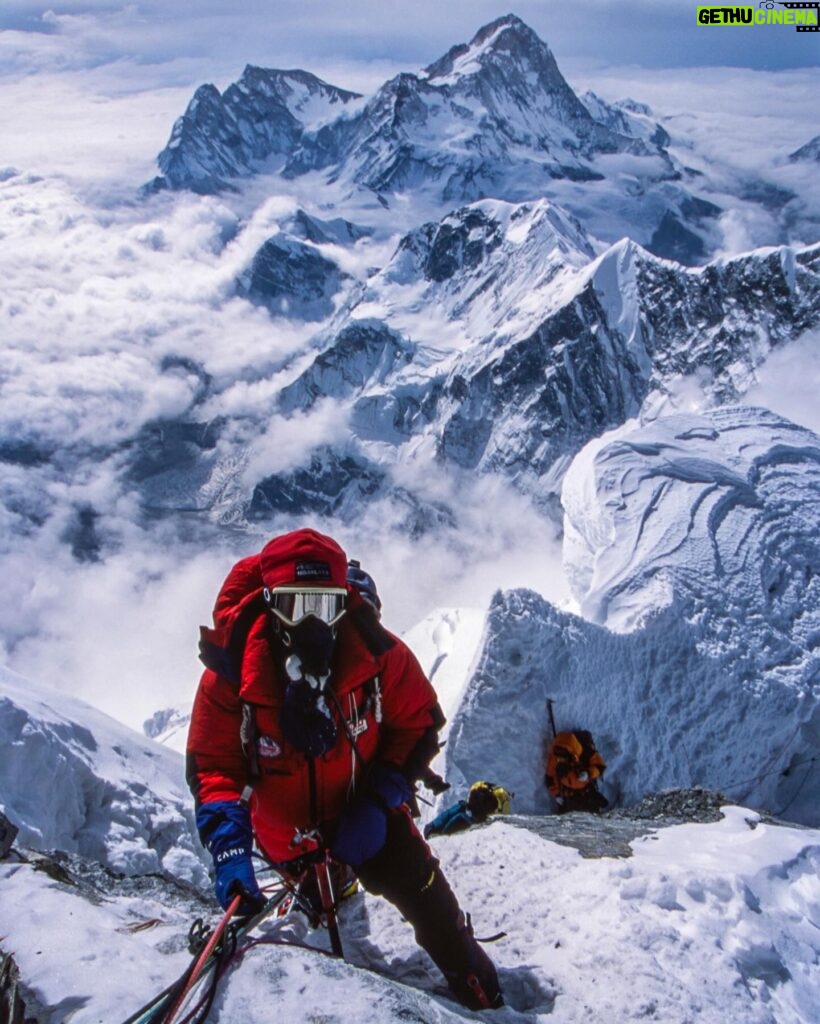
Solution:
(217, 768)
(408, 699)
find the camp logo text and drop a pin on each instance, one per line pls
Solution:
(804, 16)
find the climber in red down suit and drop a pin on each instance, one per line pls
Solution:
(310, 727)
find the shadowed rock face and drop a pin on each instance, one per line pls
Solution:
(810, 151)
(630, 326)
(493, 340)
(341, 486)
(552, 348)
(292, 279)
(225, 136)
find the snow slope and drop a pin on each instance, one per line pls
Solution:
(722, 507)
(707, 922)
(71, 778)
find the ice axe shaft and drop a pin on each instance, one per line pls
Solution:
(328, 898)
(552, 717)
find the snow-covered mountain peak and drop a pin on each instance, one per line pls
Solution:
(480, 239)
(810, 151)
(493, 117)
(493, 339)
(493, 268)
(514, 76)
(507, 40)
(459, 288)
(261, 116)
(313, 101)
(507, 78)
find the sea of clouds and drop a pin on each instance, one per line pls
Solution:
(105, 287)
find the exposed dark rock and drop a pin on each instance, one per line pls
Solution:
(83, 535)
(292, 279)
(8, 833)
(12, 1002)
(810, 151)
(321, 232)
(342, 485)
(462, 244)
(673, 241)
(170, 445)
(677, 806)
(610, 834)
(518, 123)
(363, 352)
(221, 137)
(163, 720)
(582, 371)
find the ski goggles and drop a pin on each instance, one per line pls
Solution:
(293, 604)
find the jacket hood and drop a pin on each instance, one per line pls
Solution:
(303, 557)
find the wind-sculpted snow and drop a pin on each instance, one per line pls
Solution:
(710, 922)
(669, 705)
(722, 509)
(75, 780)
(693, 548)
(730, 898)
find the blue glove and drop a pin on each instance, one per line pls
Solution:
(362, 829)
(225, 830)
(235, 876)
(389, 785)
(361, 832)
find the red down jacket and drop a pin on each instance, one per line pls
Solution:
(388, 703)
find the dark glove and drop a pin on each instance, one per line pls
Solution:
(362, 829)
(388, 785)
(225, 830)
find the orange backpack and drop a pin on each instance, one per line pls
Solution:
(572, 770)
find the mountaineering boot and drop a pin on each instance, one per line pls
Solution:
(474, 981)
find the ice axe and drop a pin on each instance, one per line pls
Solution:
(552, 717)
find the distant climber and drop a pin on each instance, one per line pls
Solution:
(572, 771)
(483, 800)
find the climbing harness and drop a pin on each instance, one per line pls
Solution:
(214, 950)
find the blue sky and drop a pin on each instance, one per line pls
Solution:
(648, 33)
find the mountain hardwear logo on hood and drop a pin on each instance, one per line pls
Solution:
(313, 571)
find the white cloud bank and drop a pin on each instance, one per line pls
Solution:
(102, 288)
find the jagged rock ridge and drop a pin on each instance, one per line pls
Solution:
(494, 342)
(230, 135)
(492, 118)
(629, 325)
